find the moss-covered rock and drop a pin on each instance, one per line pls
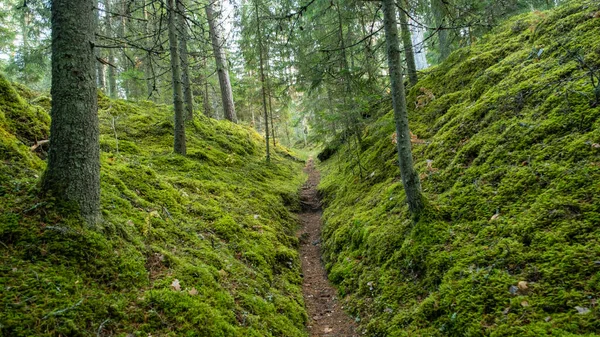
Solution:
(190, 246)
(510, 166)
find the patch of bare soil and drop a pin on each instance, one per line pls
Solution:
(326, 315)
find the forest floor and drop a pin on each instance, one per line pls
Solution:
(326, 315)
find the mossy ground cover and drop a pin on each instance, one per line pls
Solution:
(509, 244)
(201, 245)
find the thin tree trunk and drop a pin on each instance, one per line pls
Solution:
(440, 21)
(112, 76)
(126, 64)
(408, 47)
(353, 121)
(179, 143)
(185, 67)
(205, 96)
(221, 62)
(262, 79)
(149, 70)
(269, 90)
(410, 178)
(73, 172)
(100, 67)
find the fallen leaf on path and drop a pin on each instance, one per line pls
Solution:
(327, 330)
(193, 292)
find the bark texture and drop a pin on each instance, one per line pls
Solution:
(408, 47)
(73, 172)
(221, 62)
(179, 143)
(410, 178)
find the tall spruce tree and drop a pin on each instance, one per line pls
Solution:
(73, 172)
(410, 178)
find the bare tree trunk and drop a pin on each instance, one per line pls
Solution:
(149, 70)
(262, 79)
(100, 67)
(126, 82)
(408, 47)
(185, 67)
(410, 178)
(112, 76)
(221, 62)
(179, 143)
(205, 96)
(439, 15)
(73, 172)
(269, 90)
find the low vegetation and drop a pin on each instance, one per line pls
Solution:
(506, 141)
(201, 245)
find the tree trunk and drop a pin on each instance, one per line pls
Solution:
(185, 67)
(112, 76)
(408, 47)
(73, 172)
(149, 70)
(262, 79)
(221, 62)
(205, 96)
(25, 34)
(100, 67)
(440, 21)
(352, 120)
(126, 82)
(410, 178)
(179, 144)
(270, 93)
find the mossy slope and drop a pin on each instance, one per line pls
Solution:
(510, 167)
(201, 245)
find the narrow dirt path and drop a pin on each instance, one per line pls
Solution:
(326, 315)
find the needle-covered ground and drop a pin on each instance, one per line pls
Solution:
(201, 245)
(507, 144)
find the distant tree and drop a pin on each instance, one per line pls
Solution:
(411, 66)
(410, 178)
(73, 172)
(221, 61)
(183, 56)
(262, 77)
(179, 143)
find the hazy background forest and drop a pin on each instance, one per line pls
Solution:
(314, 53)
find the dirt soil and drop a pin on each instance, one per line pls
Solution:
(326, 315)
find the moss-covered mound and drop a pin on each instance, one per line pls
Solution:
(201, 245)
(507, 137)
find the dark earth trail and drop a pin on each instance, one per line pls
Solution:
(326, 317)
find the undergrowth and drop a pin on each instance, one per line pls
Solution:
(201, 245)
(507, 147)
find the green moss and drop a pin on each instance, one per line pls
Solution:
(218, 221)
(510, 172)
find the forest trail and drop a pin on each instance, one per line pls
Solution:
(326, 315)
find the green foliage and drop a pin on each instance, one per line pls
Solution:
(189, 246)
(510, 165)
